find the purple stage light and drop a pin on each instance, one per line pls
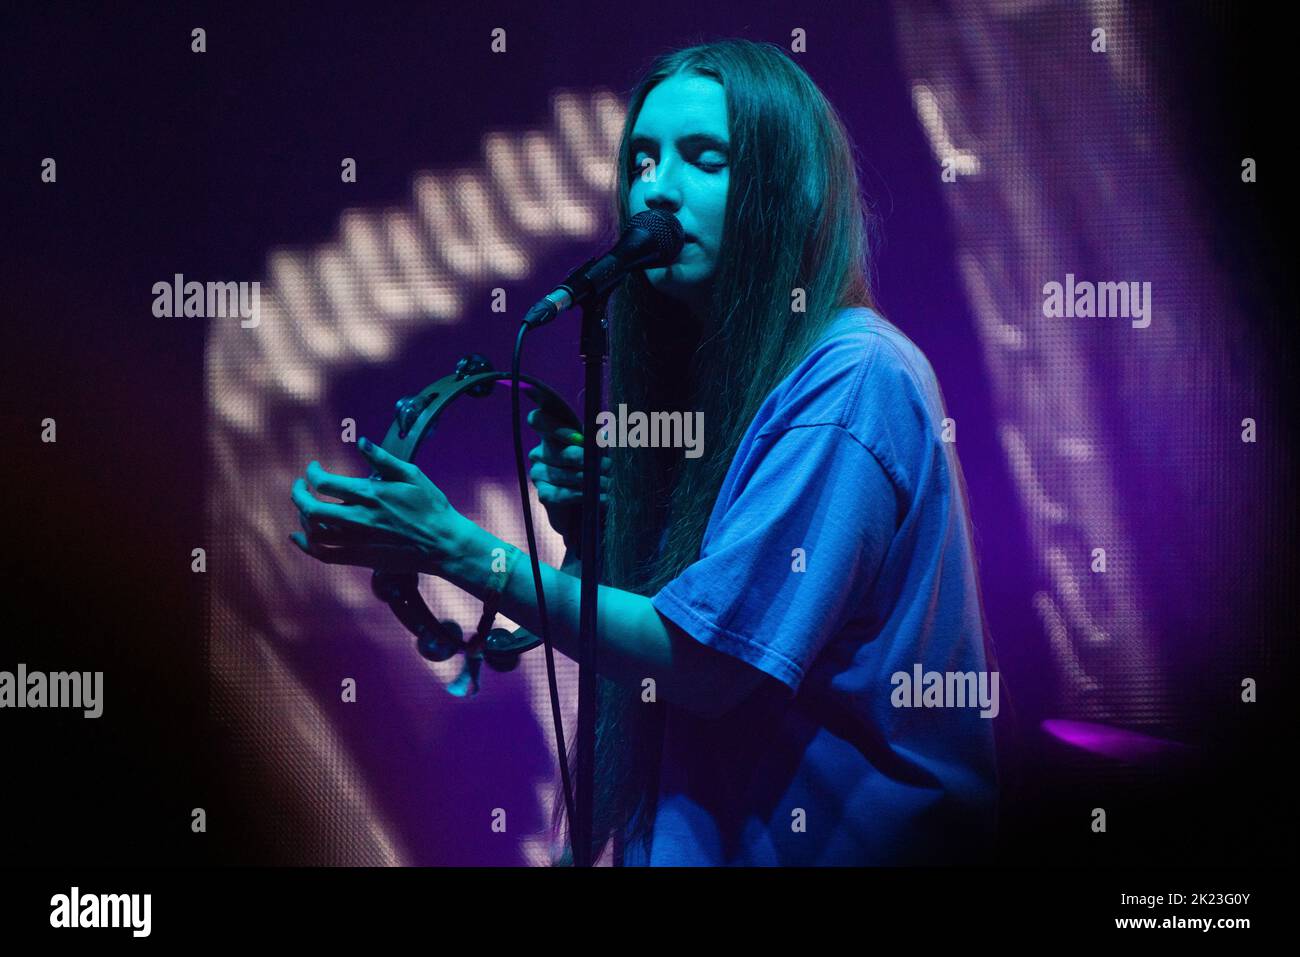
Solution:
(1117, 743)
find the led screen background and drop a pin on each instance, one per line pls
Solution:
(479, 172)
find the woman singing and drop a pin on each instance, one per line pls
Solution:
(771, 604)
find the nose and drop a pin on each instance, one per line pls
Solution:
(662, 192)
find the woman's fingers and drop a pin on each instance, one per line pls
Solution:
(570, 457)
(344, 487)
(566, 478)
(330, 522)
(557, 439)
(555, 495)
(396, 520)
(388, 465)
(550, 427)
(314, 509)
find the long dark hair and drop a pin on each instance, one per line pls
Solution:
(795, 220)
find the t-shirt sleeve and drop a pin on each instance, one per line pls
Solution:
(791, 554)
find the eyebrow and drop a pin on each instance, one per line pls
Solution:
(706, 140)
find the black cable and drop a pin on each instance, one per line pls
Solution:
(537, 578)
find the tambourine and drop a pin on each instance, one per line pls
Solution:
(415, 421)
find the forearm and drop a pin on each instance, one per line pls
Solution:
(634, 642)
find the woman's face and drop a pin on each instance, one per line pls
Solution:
(680, 162)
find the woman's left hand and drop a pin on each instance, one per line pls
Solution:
(399, 522)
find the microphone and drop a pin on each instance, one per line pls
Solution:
(652, 238)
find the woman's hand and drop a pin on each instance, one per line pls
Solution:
(399, 522)
(557, 473)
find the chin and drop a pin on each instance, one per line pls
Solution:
(675, 285)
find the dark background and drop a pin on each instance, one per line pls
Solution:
(169, 161)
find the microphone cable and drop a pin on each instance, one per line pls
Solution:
(537, 582)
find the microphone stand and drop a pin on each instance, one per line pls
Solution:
(593, 348)
(650, 237)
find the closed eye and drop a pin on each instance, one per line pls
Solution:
(710, 166)
(693, 147)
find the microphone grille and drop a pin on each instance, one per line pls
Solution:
(664, 228)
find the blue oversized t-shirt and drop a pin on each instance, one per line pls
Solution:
(844, 461)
